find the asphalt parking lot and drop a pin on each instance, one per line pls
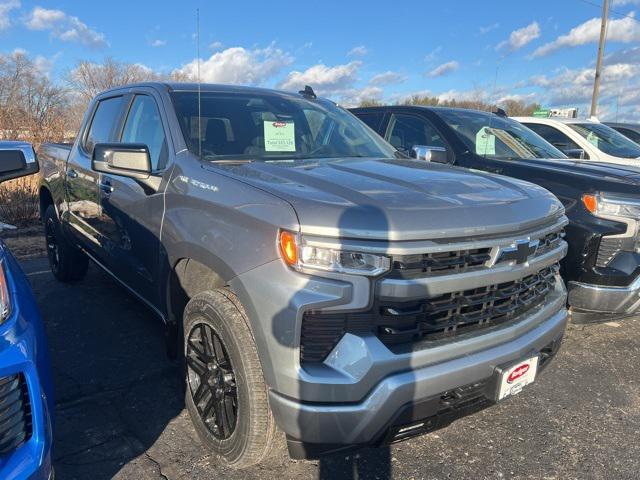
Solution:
(120, 413)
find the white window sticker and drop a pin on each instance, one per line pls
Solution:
(279, 136)
(485, 142)
(593, 139)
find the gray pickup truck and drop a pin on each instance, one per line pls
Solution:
(313, 280)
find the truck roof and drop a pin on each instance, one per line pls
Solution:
(204, 87)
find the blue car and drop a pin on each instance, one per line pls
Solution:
(26, 389)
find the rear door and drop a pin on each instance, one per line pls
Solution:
(83, 203)
(131, 210)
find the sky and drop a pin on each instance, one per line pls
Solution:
(542, 51)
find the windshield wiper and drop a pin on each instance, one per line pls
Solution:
(230, 161)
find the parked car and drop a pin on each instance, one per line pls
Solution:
(602, 201)
(26, 391)
(585, 139)
(314, 281)
(629, 130)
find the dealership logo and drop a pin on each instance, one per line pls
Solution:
(518, 252)
(518, 372)
(279, 124)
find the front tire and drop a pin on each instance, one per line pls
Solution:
(67, 263)
(226, 395)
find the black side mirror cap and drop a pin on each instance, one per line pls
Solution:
(17, 159)
(125, 159)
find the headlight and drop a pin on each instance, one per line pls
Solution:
(5, 298)
(621, 209)
(300, 255)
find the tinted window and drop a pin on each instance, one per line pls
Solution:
(371, 119)
(554, 136)
(607, 139)
(268, 126)
(144, 126)
(405, 131)
(103, 123)
(630, 134)
(493, 136)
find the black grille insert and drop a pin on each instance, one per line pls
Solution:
(446, 316)
(15, 413)
(609, 248)
(456, 261)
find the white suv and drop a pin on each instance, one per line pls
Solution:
(586, 139)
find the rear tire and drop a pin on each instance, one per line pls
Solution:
(226, 394)
(67, 263)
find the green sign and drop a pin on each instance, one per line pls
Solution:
(543, 112)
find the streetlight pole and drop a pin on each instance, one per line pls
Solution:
(603, 34)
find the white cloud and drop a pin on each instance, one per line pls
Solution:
(158, 43)
(239, 65)
(621, 3)
(618, 30)
(215, 46)
(444, 69)
(358, 51)
(337, 82)
(324, 79)
(387, 78)
(520, 37)
(573, 87)
(488, 28)
(5, 10)
(64, 27)
(433, 54)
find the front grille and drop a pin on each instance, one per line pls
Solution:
(609, 248)
(457, 261)
(445, 316)
(15, 413)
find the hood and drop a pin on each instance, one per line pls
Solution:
(598, 171)
(399, 199)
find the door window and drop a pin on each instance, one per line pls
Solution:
(554, 136)
(144, 126)
(405, 131)
(103, 123)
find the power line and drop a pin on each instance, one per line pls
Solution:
(620, 14)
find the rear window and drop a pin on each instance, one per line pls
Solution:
(103, 123)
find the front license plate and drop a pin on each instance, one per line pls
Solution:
(514, 378)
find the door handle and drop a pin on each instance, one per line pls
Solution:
(71, 173)
(106, 187)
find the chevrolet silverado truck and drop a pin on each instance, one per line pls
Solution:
(314, 281)
(602, 201)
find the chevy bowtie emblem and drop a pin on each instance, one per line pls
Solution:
(518, 252)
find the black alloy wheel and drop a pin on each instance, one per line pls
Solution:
(212, 382)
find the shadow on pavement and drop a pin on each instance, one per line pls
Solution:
(116, 390)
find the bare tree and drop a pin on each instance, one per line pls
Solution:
(32, 107)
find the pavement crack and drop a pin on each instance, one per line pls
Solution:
(157, 464)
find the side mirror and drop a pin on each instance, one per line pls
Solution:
(17, 159)
(125, 159)
(430, 154)
(575, 153)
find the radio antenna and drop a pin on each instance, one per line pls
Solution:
(199, 95)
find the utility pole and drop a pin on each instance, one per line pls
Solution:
(603, 35)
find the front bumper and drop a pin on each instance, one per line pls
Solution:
(405, 398)
(620, 301)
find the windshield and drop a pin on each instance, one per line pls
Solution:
(264, 126)
(492, 136)
(607, 139)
